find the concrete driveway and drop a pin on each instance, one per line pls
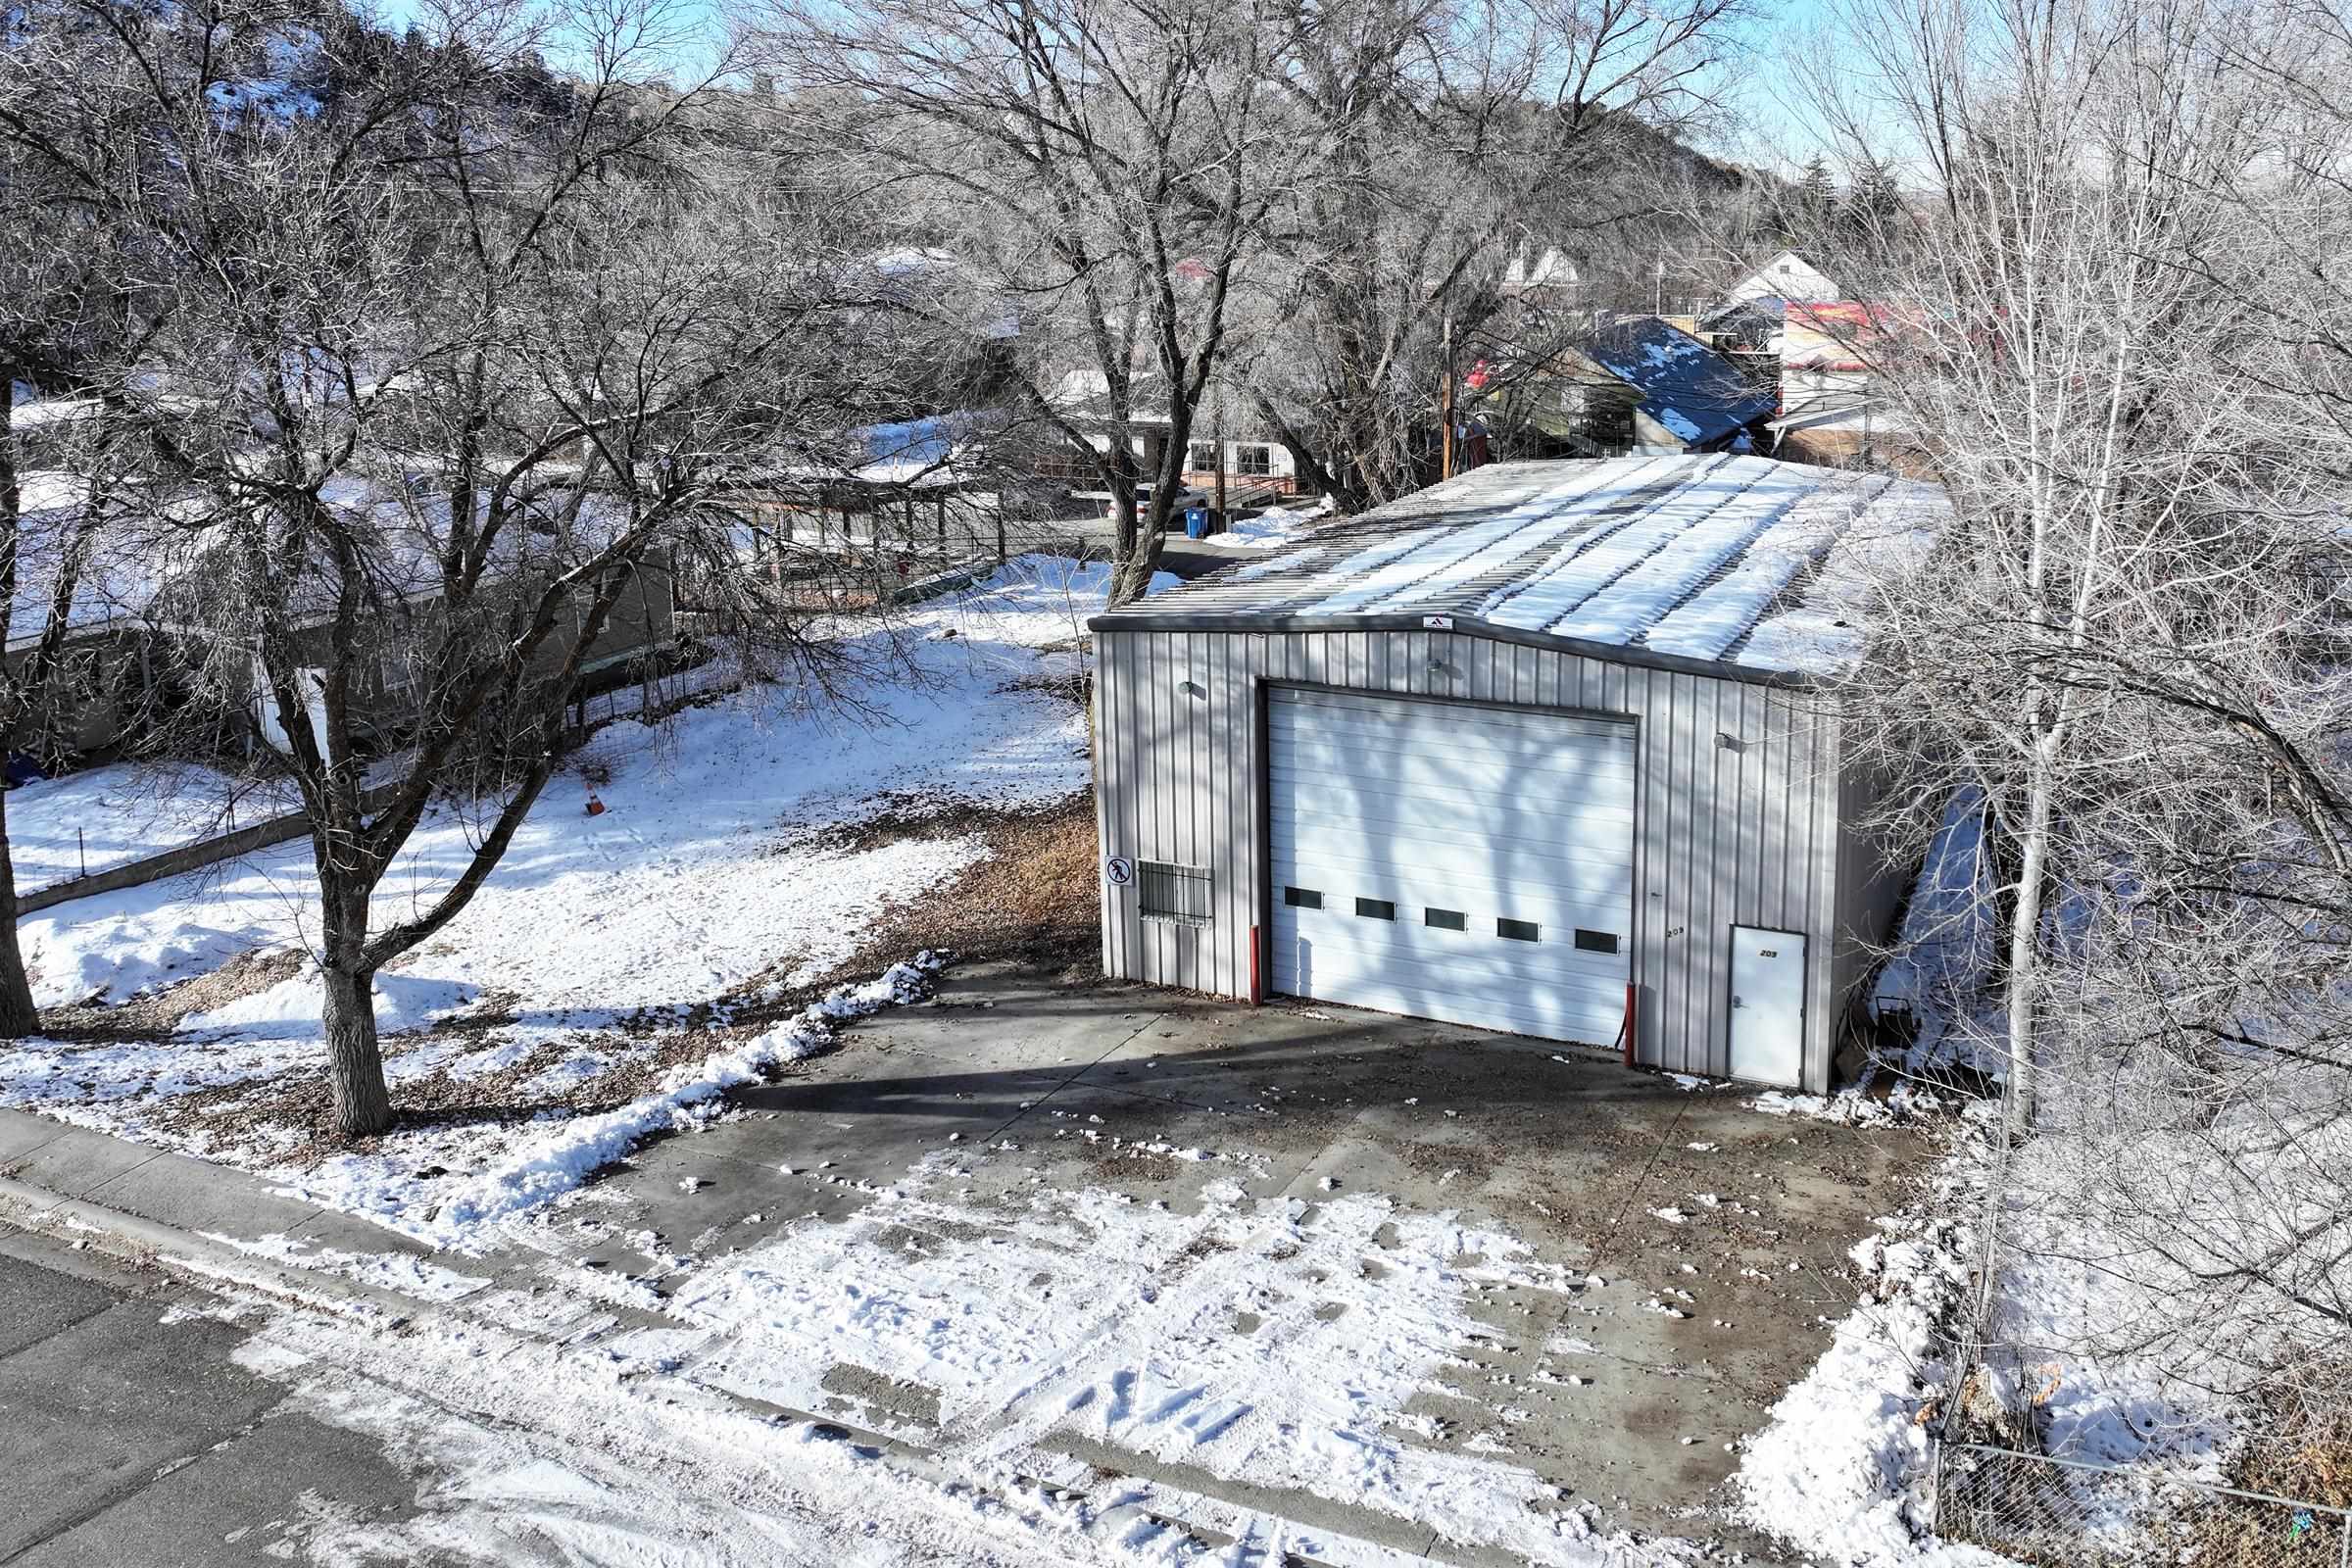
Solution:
(1718, 1235)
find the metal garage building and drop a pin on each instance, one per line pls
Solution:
(1512, 752)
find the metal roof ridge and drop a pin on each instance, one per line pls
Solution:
(1126, 620)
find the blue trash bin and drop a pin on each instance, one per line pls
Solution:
(1196, 523)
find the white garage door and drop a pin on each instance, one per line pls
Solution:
(1448, 861)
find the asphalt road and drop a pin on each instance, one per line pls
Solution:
(130, 1436)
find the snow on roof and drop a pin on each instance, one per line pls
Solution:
(1788, 274)
(29, 411)
(1736, 560)
(117, 577)
(1685, 385)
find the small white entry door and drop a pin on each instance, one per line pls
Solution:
(1767, 1005)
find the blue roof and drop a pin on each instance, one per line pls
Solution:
(1685, 385)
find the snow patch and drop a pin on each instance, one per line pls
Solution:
(1842, 1467)
(546, 1163)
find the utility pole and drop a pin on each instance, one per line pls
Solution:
(1446, 395)
(1217, 434)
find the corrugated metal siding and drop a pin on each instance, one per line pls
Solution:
(1742, 835)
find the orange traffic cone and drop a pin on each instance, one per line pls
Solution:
(596, 807)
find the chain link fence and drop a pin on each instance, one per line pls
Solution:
(2038, 1509)
(1994, 1488)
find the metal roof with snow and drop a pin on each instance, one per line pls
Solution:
(1721, 565)
(1685, 385)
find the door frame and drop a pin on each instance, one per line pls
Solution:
(1804, 1011)
(1261, 794)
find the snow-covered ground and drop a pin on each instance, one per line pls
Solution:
(63, 828)
(1087, 1312)
(617, 1453)
(1843, 1470)
(716, 876)
(1274, 527)
(531, 1455)
(1271, 1356)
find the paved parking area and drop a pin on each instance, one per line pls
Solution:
(1718, 1234)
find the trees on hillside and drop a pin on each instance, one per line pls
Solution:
(437, 374)
(1313, 208)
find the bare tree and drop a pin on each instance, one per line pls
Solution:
(1104, 173)
(63, 320)
(452, 364)
(2110, 335)
(1462, 137)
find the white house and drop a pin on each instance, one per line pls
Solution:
(1550, 270)
(1249, 460)
(1785, 276)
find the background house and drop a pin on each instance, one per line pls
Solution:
(1833, 407)
(1637, 385)
(1253, 467)
(1786, 275)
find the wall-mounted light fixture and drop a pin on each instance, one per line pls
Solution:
(1192, 688)
(1729, 741)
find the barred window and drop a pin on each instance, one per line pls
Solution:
(1167, 891)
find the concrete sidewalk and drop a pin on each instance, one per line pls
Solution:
(172, 1190)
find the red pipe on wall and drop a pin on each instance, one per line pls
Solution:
(1258, 993)
(1631, 1034)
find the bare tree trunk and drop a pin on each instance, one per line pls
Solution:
(1131, 578)
(355, 1066)
(1446, 396)
(19, 1017)
(2024, 950)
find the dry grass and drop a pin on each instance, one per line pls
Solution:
(1034, 901)
(2301, 1449)
(156, 1014)
(2307, 1451)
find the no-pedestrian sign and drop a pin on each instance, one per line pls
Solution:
(1118, 870)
